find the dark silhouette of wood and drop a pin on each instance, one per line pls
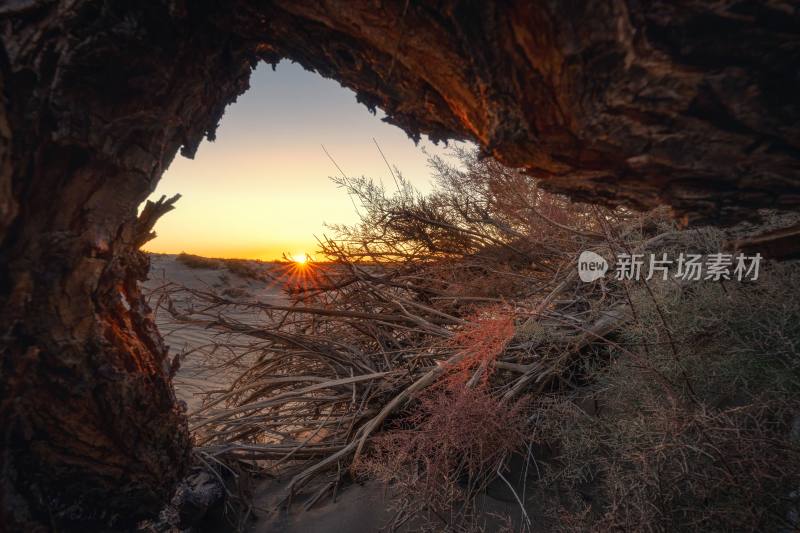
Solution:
(691, 104)
(782, 243)
(98, 98)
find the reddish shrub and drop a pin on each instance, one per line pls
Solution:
(456, 437)
(480, 343)
(448, 448)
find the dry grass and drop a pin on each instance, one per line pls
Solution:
(715, 451)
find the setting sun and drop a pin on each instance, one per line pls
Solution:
(300, 259)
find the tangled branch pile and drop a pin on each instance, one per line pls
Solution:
(445, 333)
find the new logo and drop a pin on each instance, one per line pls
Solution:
(591, 266)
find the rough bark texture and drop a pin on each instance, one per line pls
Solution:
(98, 98)
(688, 103)
(641, 103)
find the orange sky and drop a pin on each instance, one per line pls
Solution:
(262, 188)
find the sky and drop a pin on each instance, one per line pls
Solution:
(262, 188)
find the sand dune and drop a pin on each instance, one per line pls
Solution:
(198, 373)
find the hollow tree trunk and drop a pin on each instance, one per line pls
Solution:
(96, 104)
(688, 103)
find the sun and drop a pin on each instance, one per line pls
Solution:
(301, 258)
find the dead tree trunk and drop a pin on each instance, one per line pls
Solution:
(98, 97)
(691, 104)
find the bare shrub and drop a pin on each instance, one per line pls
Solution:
(481, 342)
(235, 292)
(444, 451)
(442, 454)
(245, 268)
(720, 459)
(687, 470)
(416, 349)
(196, 261)
(412, 317)
(486, 231)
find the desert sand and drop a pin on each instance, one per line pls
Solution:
(198, 373)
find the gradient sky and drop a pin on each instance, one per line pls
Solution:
(262, 188)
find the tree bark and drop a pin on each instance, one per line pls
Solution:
(687, 103)
(98, 97)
